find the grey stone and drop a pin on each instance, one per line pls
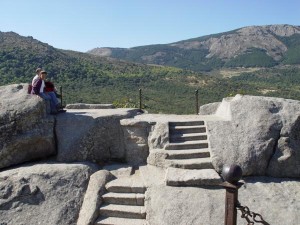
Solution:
(125, 211)
(92, 198)
(136, 140)
(275, 199)
(286, 160)
(26, 130)
(159, 135)
(47, 193)
(250, 131)
(157, 157)
(120, 221)
(209, 109)
(124, 198)
(91, 134)
(89, 106)
(185, 177)
(132, 184)
(119, 170)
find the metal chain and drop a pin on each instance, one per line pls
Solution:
(250, 216)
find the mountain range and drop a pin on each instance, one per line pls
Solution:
(167, 74)
(253, 46)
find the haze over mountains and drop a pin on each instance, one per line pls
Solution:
(253, 46)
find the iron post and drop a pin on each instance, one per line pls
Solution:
(140, 96)
(197, 101)
(61, 95)
(231, 175)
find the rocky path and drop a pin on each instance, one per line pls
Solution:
(124, 202)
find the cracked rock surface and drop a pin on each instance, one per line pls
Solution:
(261, 134)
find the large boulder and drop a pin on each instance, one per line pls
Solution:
(26, 130)
(276, 200)
(261, 134)
(46, 193)
(91, 134)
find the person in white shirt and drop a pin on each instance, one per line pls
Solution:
(36, 77)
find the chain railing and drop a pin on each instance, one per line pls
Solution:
(249, 216)
(142, 100)
(231, 175)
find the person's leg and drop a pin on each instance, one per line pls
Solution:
(53, 97)
(47, 97)
(58, 105)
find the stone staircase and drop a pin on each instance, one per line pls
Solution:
(123, 204)
(188, 155)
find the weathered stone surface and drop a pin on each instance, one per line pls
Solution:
(159, 135)
(185, 177)
(157, 157)
(254, 128)
(47, 193)
(119, 170)
(136, 140)
(209, 109)
(92, 199)
(89, 106)
(26, 131)
(286, 160)
(275, 199)
(91, 134)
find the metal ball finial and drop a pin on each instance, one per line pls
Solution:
(232, 173)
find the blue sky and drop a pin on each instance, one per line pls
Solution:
(81, 25)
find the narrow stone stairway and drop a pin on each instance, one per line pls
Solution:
(123, 204)
(189, 155)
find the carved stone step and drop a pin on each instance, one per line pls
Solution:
(186, 129)
(124, 198)
(186, 123)
(187, 145)
(125, 211)
(198, 163)
(175, 138)
(188, 154)
(187, 177)
(120, 221)
(125, 186)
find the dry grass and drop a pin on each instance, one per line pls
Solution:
(228, 73)
(193, 81)
(265, 91)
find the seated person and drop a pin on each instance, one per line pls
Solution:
(38, 88)
(35, 78)
(37, 75)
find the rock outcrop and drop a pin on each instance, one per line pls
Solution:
(26, 130)
(275, 199)
(91, 135)
(261, 134)
(136, 140)
(47, 193)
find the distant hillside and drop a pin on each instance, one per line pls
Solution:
(254, 46)
(93, 79)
